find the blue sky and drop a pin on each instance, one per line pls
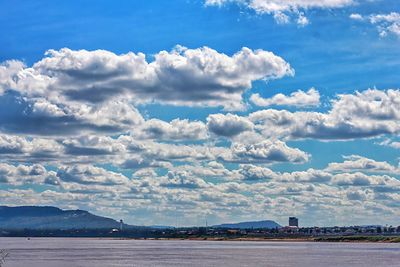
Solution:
(237, 110)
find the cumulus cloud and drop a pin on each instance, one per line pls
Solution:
(38, 116)
(72, 113)
(390, 143)
(311, 98)
(385, 23)
(176, 129)
(87, 174)
(193, 77)
(356, 16)
(358, 163)
(356, 195)
(363, 114)
(29, 150)
(266, 151)
(24, 174)
(92, 145)
(280, 8)
(361, 179)
(182, 179)
(228, 125)
(254, 172)
(249, 189)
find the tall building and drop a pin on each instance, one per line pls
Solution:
(293, 221)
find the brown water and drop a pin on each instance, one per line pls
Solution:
(70, 252)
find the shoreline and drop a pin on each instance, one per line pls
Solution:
(330, 239)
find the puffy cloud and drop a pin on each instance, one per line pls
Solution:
(211, 169)
(92, 145)
(24, 174)
(390, 143)
(87, 174)
(386, 23)
(356, 195)
(356, 16)
(22, 149)
(177, 129)
(12, 144)
(170, 152)
(187, 192)
(302, 20)
(182, 179)
(280, 8)
(138, 162)
(296, 99)
(311, 175)
(254, 172)
(358, 163)
(361, 179)
(363, 114)
(183, 76)
(146, 172)
(38, 116)
(228, 125)
(266, 151)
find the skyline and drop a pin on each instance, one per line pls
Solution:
(160, 112)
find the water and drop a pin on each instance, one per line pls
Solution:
(71, 252)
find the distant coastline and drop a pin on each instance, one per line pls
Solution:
(336, 239)
(36, 221)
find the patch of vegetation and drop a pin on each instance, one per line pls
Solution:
(392, 239)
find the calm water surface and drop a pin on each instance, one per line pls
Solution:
(70, 252)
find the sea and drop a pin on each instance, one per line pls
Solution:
(71, 252)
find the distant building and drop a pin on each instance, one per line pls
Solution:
(293, 221)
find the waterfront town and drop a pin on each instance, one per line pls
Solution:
(292, 231)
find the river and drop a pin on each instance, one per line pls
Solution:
(71, 252)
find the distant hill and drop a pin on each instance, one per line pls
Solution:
(34, 217)
(248, 225)
(161, 227)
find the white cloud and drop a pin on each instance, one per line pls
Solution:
(254, 172)
(40, 116)
(356, 16)
(228, 125)
(24, 174)
(311, 98)
(241, 193)
(363, 114)
(357, 163)
(390, 143)
(361, 179)
(177, 129)
(191, 77)
(21, 149)
(385, 23)
(302, 20)
(266, 151)
(87, 174)
(280, 8)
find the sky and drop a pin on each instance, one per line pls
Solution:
(182, 112)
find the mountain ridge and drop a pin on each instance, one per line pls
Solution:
(49, 217)
(250, 224)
